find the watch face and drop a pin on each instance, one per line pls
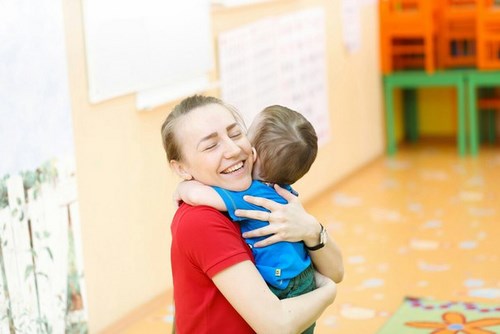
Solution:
(323, 236)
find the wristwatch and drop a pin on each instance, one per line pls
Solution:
(322, 240)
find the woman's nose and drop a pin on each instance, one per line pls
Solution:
(231, 149)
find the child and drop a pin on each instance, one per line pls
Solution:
(285, 145)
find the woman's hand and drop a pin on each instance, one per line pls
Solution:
(287, 222)
(290, 222)
(323, 281)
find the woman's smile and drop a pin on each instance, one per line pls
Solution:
(233, 168)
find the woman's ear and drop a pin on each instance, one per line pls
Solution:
(254, 152)
(180, 170)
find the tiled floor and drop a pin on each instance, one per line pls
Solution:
(425, 223)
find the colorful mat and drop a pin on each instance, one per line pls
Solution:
(427, 316)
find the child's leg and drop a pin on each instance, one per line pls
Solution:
(303, 283)
(299, 285)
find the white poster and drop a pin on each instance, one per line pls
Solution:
(278, 60)
(351, 24)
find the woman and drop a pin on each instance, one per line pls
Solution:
(217, 288)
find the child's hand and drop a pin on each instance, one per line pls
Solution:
(176, 198)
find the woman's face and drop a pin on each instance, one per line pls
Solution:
(214, 148)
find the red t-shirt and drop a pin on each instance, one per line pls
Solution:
(205, 242)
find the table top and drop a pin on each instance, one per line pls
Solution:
(442, 77)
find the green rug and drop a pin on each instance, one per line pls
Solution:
(427, 316)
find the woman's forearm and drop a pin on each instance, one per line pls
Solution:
(328, 260)
(247, 292)
(303, 310)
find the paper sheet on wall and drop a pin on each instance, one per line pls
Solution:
(351, 24)
(278, 60)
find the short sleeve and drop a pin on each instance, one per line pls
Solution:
(234, 199)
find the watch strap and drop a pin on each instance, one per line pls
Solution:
(322, 240)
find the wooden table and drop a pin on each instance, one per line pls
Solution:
(421, 79)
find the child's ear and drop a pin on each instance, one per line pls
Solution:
(254, 152)
(180, 170)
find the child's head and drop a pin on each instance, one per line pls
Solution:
(286, 145)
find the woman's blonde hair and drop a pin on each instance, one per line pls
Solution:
(168, 133)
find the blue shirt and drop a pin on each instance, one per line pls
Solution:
(279, 262)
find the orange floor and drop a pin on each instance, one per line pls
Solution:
(425, 223)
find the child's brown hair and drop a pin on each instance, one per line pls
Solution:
(286, 145)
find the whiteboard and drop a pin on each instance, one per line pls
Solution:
(135, 45)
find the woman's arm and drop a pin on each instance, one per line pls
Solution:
(290, 222)
(244, 288)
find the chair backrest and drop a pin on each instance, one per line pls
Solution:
(488, 34)
(489, 8)
(406, 13)
(406, 30)
(459, 3)
(457, 16)
(450, 8)
(488, 17)
(405, 7)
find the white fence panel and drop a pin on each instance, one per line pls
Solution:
(80, 315)
(49, 230)
(42, 257)
(18, 261)
(57, 223)
(4, 306)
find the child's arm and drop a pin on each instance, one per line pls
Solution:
(196, 193)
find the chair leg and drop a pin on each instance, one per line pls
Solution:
(389, 118)
(491, 126)
(473, 119)
(410, 114)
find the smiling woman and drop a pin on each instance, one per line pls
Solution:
(214, 149)
(217, 288)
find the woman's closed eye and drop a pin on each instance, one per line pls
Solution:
(235, 134)
(213, 144)
(210, 146)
